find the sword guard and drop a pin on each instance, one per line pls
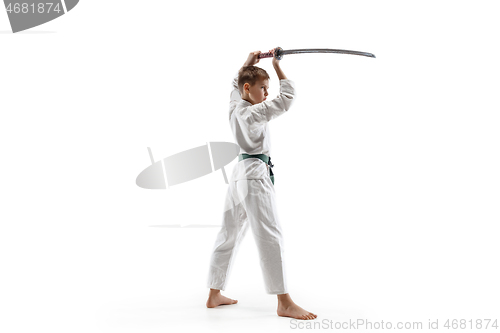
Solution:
(278, 53)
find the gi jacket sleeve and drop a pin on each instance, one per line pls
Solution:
(257, 115)
(235, 96)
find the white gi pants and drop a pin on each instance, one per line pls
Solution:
(250, 202)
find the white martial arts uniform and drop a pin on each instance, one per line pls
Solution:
(250, 195)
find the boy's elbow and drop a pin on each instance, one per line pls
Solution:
(288, 101)
(288, 94)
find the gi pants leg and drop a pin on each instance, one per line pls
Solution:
(250, 201)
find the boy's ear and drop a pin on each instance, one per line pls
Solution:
(246, 86)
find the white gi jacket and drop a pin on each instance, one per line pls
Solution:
(250, 129)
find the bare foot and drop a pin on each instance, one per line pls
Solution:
(215, 299)
(287, 308)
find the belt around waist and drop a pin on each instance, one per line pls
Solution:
(266, 159)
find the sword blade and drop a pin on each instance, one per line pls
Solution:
(366, 54)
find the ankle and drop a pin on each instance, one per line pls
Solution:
(284, 300)
(284, 297)
(214, 292)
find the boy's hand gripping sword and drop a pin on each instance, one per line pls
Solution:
(279, 52)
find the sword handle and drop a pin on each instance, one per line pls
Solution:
(265, 55)
(278, 54)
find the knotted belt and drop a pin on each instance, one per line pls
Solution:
(266, 159)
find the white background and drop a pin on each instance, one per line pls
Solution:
(386, 169)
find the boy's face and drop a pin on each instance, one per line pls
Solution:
(258, 92)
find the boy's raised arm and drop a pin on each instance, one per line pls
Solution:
(277, 68)
(261, 113)
(252, 59)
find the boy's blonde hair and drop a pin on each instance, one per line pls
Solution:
(250, 74)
